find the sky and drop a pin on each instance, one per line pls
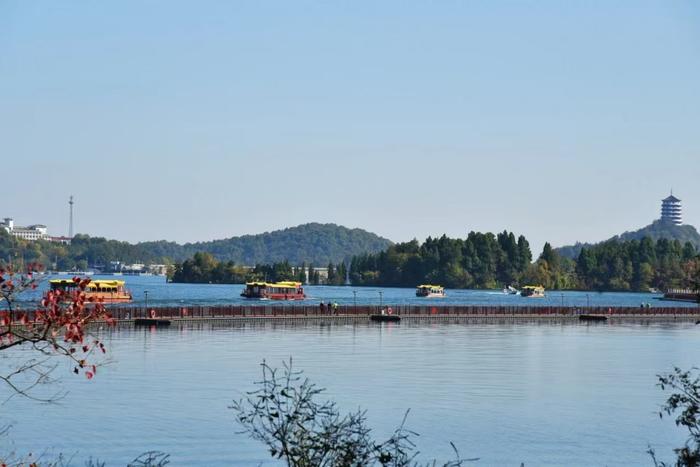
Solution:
(188, 121)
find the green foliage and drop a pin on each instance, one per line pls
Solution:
(319, 243)
(479, 261)
(637, 265)
(203, 268)
(664, 230)
(277, 272)
(552, 271)
(488, 261)
(685, 400)
(83, 251)
(336, 274)
(314, 276)
(655, 231)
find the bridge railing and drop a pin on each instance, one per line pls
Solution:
(240, 311)
(232, 311)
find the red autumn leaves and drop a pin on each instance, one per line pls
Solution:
(60, 321)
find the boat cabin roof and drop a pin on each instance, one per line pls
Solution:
(281, 285)
(533, 287)
(428, 286)
(96, 284)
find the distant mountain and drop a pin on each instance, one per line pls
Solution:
(572, 251)
(311, 243)
(658, 229)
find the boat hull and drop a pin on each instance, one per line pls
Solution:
(110, 299)
(267, 296)
(385, 318)
(593, 318)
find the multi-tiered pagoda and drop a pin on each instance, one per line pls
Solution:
(671, 210)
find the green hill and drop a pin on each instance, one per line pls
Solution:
(311, 243)
(656, 230)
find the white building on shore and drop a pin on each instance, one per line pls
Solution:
(31, 232)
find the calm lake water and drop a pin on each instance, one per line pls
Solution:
(160, 293)
(539, 393)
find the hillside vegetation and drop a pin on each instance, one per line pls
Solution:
(310, 243)
(656, 230)
(485, 260)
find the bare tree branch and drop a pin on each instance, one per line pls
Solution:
(283, 413)
(57, 326)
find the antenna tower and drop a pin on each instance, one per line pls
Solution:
(70, 218)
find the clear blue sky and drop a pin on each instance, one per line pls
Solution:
(186, 120)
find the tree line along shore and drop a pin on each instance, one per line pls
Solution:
(480, 261)
(316, 243)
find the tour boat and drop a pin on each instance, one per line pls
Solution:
(107, 291)
(287, 290)
(430, 291)
(535, 291)
(683, 295)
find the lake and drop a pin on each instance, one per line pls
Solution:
(161, 293)
(541, 393)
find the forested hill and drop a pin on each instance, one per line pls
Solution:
(311, 243)
(657, 230)
(319, 244)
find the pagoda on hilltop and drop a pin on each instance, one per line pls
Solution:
(671, 210)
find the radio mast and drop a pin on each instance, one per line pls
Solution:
(70, 218)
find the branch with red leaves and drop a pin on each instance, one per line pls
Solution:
(56, 326)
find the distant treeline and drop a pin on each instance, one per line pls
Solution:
(656, 230)
(638, 265)
(82, 253)
(204, 268)
(482, 261)
(479, 261)
(317, 243)
(492, 261)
